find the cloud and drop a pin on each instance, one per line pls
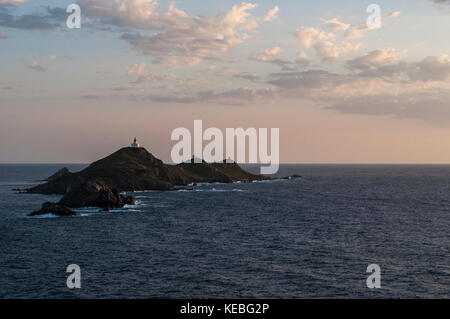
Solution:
(137, 69)
(376, 70)
(359, 30)
(328, 51)
(394, 14)
(222, 72)
(386, 65)
(380, 83)
(302, 58)
(50, 19)
(272, 14)
(431, 69)
(247, 76)
(175, 37)
(237, 96)
(143, 76)
(307, 35)
(152, 77)
(34, 65)
(441, 1)
(270, 56)
(29, 21)
(430, 106)
(322, 42)
(304, 81)
(377, 83)
(374, 59)
(335, 24)
(183, 39)
(131, 13)
(56, 14)
(266, 55)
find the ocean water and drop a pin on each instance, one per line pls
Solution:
(305, 238)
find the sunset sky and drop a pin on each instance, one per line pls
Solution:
(338, 91)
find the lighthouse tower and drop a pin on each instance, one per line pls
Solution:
(135, 144)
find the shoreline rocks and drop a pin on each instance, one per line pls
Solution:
(129, 200)
(95, 194)
(55, 209)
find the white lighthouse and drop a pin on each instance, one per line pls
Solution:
(135, 144)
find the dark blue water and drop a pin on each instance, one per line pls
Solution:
(308, 238)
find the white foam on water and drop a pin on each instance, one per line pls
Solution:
(221, 190)
(202, 184)
(45, 216)
(118, 210)
(87, 210)
(145, 191)
(269, 181)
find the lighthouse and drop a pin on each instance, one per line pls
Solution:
(135, 144)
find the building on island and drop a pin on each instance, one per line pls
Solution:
(135, 144)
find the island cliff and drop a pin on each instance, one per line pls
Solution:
(129, 169)
(135, 169)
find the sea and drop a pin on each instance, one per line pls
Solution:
(311, 237)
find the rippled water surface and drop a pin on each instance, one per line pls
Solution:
(306, 238)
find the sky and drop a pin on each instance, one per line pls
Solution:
(339, 91)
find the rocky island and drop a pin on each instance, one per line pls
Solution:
(129, 169)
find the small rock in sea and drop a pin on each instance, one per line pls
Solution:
(55, 209)
(129, 200)
(95, 194)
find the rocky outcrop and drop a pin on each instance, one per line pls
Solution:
(55, 209)
(129, 200)
(58, 185)
(131, 169)
(89, 194)
(62, 172)
(95, 194)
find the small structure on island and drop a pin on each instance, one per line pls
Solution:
(228, 161)
(135, 144)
